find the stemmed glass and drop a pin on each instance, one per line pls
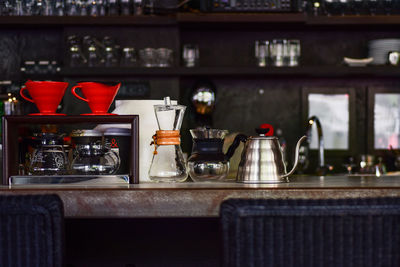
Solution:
(387, 6)
(76, 57)
(7, 7)
(112, 7)
(358, 7)
(27, 7)
(71, 8)
(372, 6)
(96, 8)
(190, 55)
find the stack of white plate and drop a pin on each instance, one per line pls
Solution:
(380, 48)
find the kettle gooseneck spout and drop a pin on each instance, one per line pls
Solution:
(296, 160)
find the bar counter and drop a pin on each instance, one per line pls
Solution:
(189, 200)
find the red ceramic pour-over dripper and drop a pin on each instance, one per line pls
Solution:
(46, 95)
(99, 96)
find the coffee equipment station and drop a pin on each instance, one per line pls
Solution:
(144, 116)
(103, 147)
(108, 154)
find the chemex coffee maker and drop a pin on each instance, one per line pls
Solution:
(168, 164)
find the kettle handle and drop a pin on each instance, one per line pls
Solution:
(296, 160)
(236, 142)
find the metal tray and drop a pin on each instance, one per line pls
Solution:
(70, 179)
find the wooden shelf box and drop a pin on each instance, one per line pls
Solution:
(13, 125)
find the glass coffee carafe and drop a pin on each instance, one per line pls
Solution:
(48, 156)
(168, 164)
(91, 156)
(207, 161)
(94, 159)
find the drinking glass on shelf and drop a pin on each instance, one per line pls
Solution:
(148, 6)
(96, 8)
(110, 53)
(262, 53)
(93, 53)
(71, 8)
(190, 55)
(47, 8)
(17, 9)
(126, 7)
(148, 57)
(164, 57)
(82, 7)
(93, 9)
(93, 57)
(28, 7)
(357, 7)
(294, 52)
(138, 7)
(334, 7)
(128, 58)
(76, 57)
(110, 59)
(372, 6)
(58, 7)
(6, 7)
(112, 7)
(40, 8)
(387, 6)
(393, 58)
(278, 47)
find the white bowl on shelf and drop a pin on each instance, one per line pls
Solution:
(358, 62)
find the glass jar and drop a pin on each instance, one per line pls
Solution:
(94, 159)
(48, 156)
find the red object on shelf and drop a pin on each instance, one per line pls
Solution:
(46, 95)
(99, 96)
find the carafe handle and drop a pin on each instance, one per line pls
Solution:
(236, 142)
(75, 94)
(115, 158)
(296, 160)
(24, 96)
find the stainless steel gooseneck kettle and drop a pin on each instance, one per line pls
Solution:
(262, 159)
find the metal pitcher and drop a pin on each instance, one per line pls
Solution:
(262, 161)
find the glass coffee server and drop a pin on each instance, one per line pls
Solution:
(168, 164)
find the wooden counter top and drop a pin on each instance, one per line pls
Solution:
(149, 200)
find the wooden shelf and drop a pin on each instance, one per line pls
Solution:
(354, 20)
(118, 71)
(302, 71)
(86, 20)
(241, 17)
(199, 18)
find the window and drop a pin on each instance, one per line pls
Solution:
(332, 111)
(386, 121)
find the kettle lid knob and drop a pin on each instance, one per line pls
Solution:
(265, 129)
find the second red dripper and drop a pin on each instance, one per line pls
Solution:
(99, 96)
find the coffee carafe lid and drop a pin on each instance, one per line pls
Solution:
(78, 133)
(117, 132)
(208, 133)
